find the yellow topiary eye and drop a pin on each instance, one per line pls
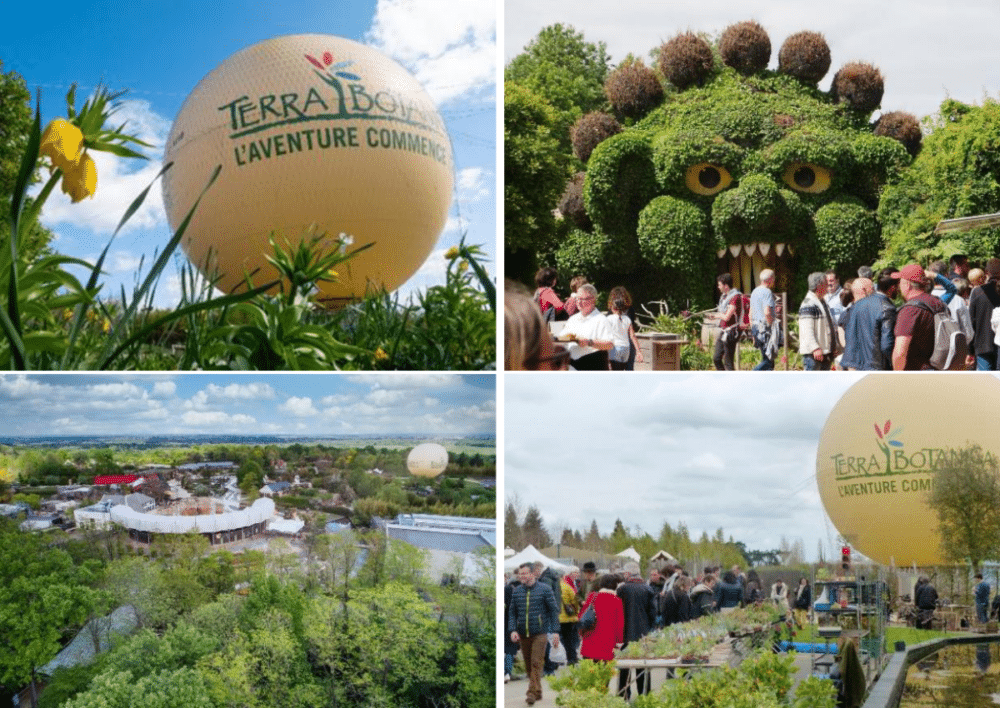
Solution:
(806, 177)
(707, 179)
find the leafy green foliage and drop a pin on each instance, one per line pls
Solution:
(620, 181)
(957, 173)
(535, 170)
(966, 487)
(566, 71)
(43, 596)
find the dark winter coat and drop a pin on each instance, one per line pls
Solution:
(533, 610)
(676, 607)
(639, 604)
(702, 601)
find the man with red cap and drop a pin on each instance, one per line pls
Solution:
(914, 321)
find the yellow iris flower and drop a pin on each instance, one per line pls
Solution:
(80, 180)
(62, 143)
(380, 354)
(452, 253)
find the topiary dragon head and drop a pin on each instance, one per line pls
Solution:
(736, 170)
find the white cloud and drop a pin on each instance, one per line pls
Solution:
(430, 402)
(241, 419)
(299, 407)
(198, 401)
(472, 184)
(708, 461)
(164, 388)
(449, 46)
(117, 391)
(122, 262)
(119, 180)
(250, 391)
(204, 418)
(20, 386)
(409, 381)
(382, 397)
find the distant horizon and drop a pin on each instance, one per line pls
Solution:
(286, 436)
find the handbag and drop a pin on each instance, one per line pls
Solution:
(588, 621)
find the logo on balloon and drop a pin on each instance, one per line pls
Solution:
(349, 101)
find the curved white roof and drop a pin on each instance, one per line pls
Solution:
(261, 511)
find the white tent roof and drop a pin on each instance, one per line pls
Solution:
(530, 555)
(262, 510)
(286, 526)
(630, 553)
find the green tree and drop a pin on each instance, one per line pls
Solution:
(956, 174)
(534, 529)
(535, 172)
(104, 462)
(44, 598)
(565, 70)
(511, 528)
(965, 496)
(389, 651)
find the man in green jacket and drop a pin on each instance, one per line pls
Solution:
(533, 619)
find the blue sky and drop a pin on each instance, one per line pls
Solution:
(160, 50)
(434, 405)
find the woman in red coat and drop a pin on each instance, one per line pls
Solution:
(599, 644)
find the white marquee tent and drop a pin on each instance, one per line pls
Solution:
(530, 555)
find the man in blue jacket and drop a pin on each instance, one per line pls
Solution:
(532, 620)
(870, 330)
(982, 599)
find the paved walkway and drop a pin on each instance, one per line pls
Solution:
(513, 692)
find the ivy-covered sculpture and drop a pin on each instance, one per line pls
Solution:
(736, 169)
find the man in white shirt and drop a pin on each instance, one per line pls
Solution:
(590, 332)
(832, 296)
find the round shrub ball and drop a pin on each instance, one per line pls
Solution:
(571, 202)
(745, 47)
(860, 85)
(903, 127)
(805, 56)
(633, 90)
(591, 130)
(685, 60)
(848, 233)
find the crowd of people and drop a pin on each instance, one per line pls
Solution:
(913, 318)
(890, 320)
(589, 615)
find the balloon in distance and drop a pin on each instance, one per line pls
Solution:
(427, 460)
(877, 451)
(316, 135)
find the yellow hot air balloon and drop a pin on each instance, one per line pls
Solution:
(877, 451)
(316, 134)
(427, 460)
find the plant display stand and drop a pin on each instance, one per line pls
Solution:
(852, 609)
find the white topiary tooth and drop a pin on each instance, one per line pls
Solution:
(735, 249)
(765, 248)
(779, 248)
(720, 253)
(791, 251)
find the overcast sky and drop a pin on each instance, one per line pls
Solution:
(711, 450)
(445, 405)
(926, 49)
